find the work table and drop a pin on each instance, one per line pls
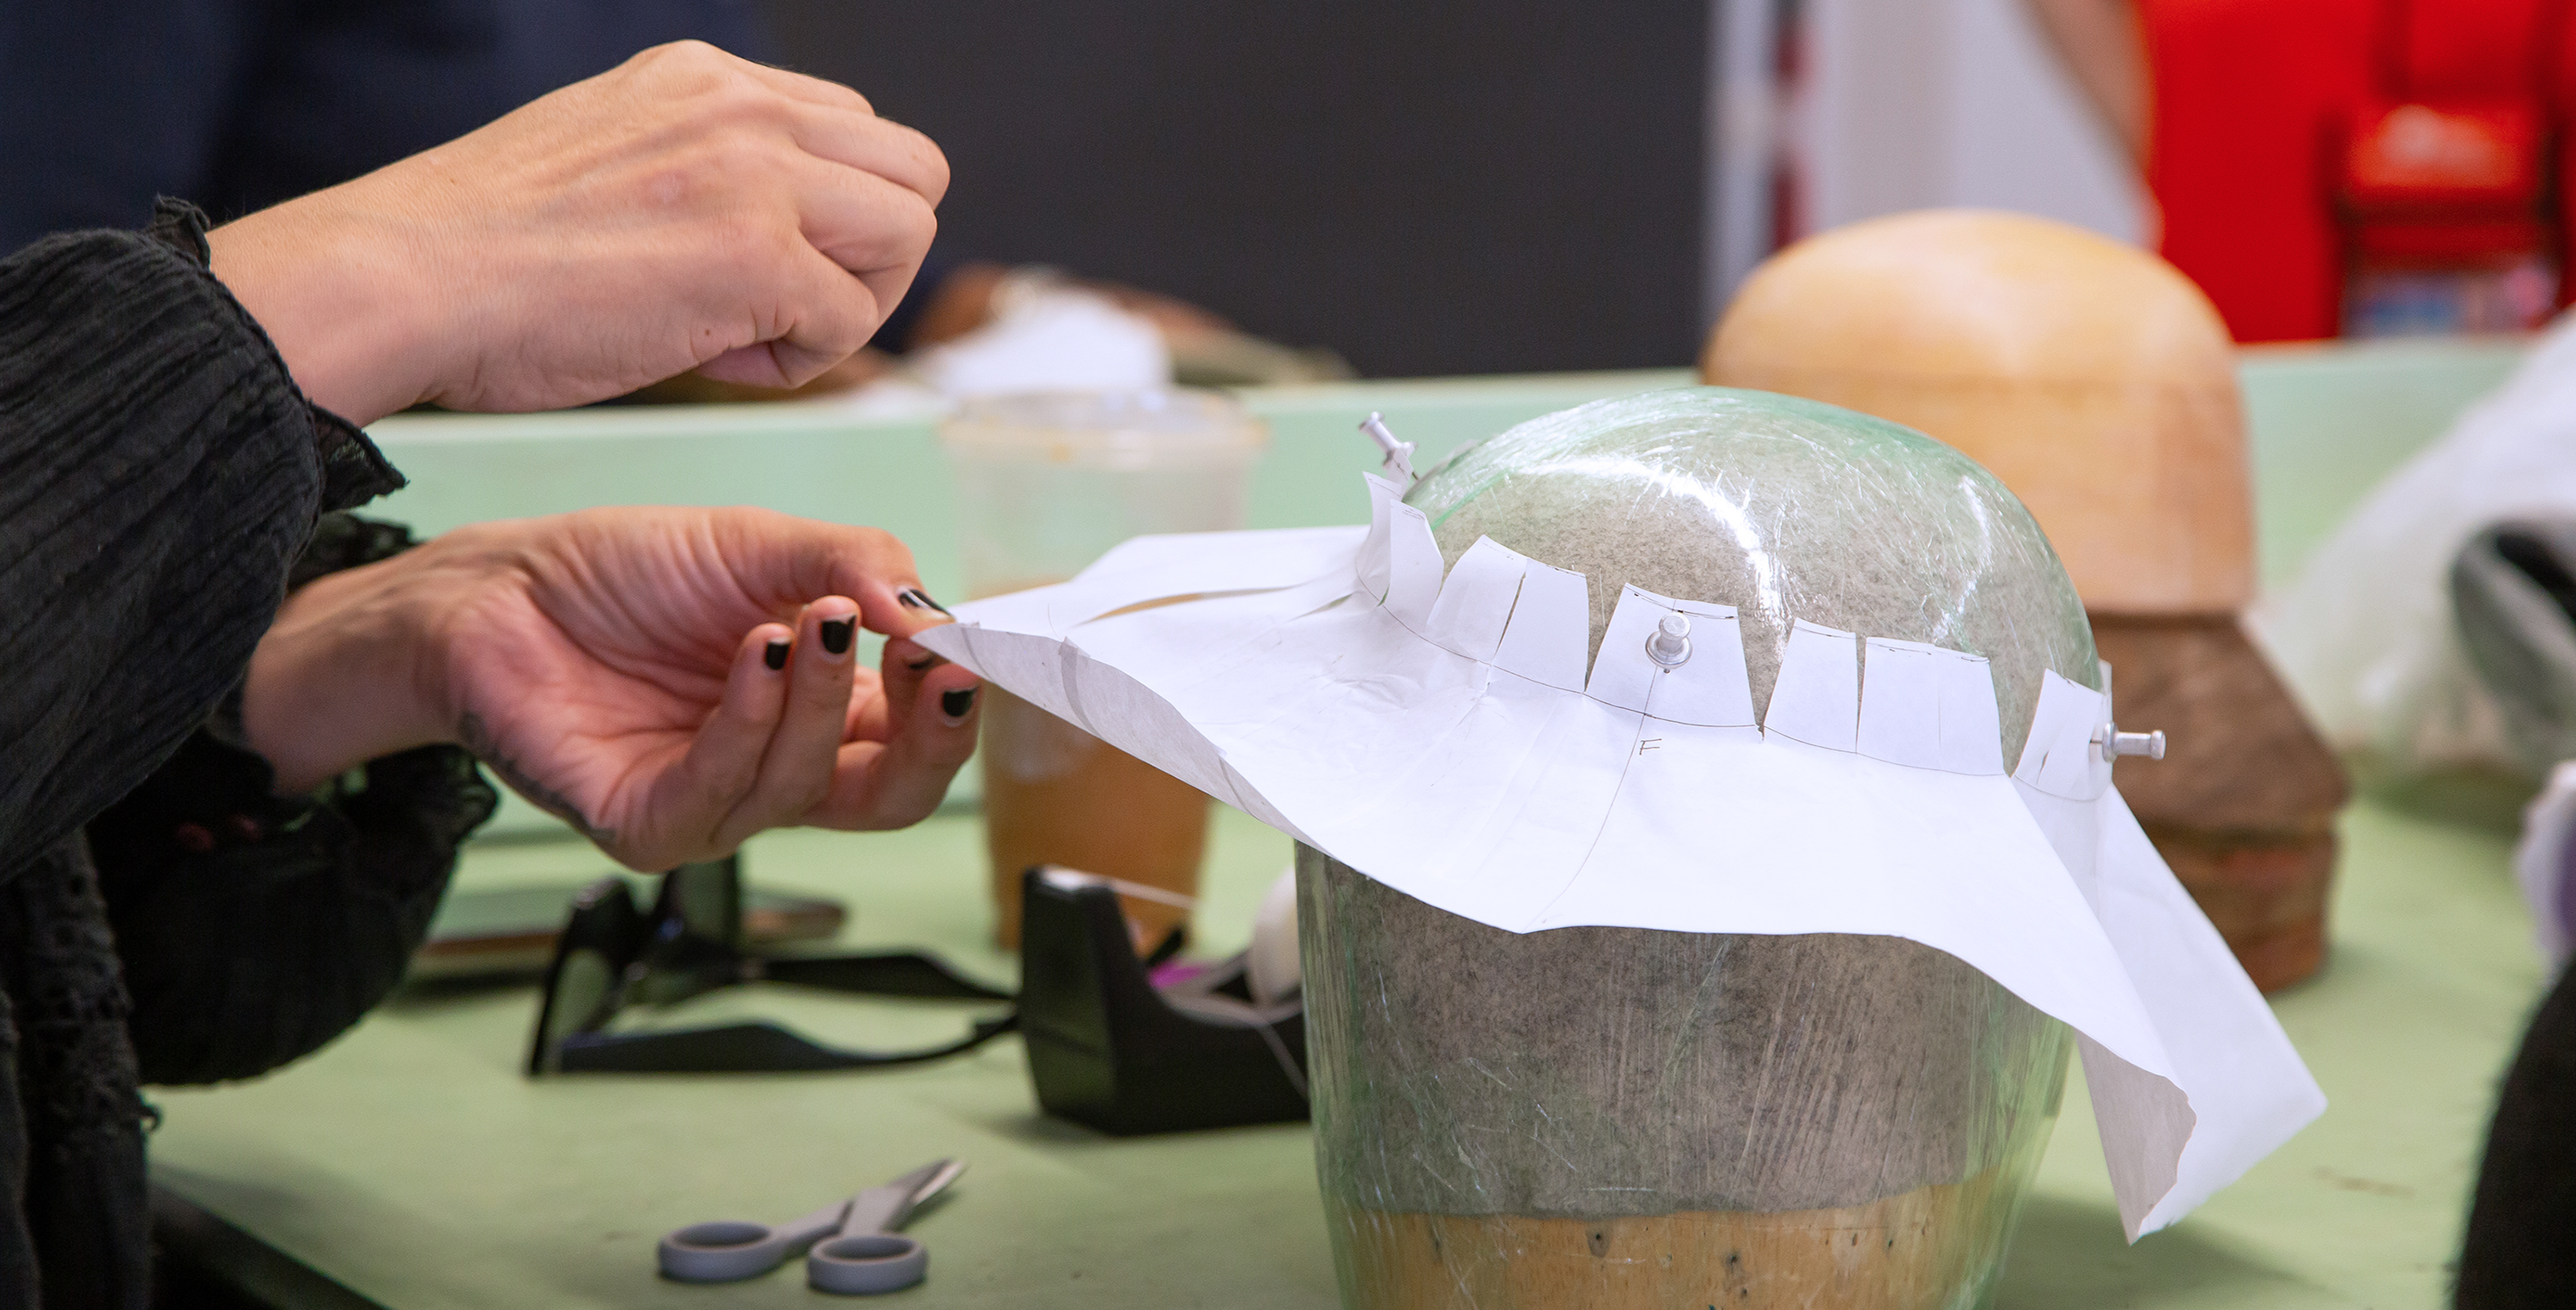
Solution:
(411, 1164)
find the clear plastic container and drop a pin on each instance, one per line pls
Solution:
(1046, 483)
(1632, 1119)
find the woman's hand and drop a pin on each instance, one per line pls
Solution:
(685, 210)
(670, 681)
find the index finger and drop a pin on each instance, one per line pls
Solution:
(839, 124)
(860, 140)
(786, 561)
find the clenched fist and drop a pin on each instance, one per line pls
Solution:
(687, 209)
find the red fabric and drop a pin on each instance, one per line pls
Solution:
(2556, 46)
(2448, 244)
(2254, 103)
(2250, 99)
(2441, 158)
(2463, 49)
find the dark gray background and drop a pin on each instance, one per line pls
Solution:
(1429, 188)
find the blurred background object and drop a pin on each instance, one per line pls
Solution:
(241, 104)
(1427, 188)
(1295, 193)
(2100, 386)
(2363, 167)
(1921, 104)
(2104, 50)
(1436, 188)
(981, 328)
(2371, 631)
(507, 933)
(1046, 482)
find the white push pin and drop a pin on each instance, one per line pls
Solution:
(1671, 643)
(2115, 743)
(1399, 454)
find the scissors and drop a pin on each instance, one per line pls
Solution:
(854, 1248)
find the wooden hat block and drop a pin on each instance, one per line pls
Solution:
(2100, 385)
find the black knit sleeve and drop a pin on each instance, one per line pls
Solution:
(253, 928)
(2525, 1203)
(158, 473)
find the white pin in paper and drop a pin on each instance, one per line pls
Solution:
(1670, 646)
(1706, 688)
(2115, 743)
(2063, 755)
(1399, 454)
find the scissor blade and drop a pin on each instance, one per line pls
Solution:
(883, 1209)
(930, 1180)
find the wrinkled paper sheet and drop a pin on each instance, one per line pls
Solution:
(1444, 737)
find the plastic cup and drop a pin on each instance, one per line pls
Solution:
(1046, 483)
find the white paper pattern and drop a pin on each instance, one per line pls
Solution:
(1444, 738)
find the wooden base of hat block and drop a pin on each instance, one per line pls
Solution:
(2267, 896)
(2243, 804)
(1900, 1253)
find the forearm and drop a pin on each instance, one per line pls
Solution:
(332, 284)
(343, 677)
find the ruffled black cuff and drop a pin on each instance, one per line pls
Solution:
(353, 470)
(254, 928)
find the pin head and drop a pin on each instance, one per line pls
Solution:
(1399, 454)
(1671, 643)
(2114, 743)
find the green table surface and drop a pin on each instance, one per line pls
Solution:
(411, 1164)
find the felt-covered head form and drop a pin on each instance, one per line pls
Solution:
(1786, 509)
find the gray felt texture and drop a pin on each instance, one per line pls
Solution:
(1461, 1069)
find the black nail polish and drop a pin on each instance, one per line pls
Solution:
(776, 656)
(926, 663)
(837, 633)
(955, 704)
(920, 600)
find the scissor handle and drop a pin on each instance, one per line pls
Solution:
(866, 1263)
(720, 1252)
(728, 1250)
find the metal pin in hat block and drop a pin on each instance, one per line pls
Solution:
(1399, 454)
(1670, 646)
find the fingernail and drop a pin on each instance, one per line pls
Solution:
(926, 662)
(920, 600)
(837, 633)
(955, 704)
(776, 656)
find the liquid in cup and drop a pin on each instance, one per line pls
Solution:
(1047, 483)
(1054, 794)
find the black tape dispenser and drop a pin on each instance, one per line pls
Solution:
(1109, 1049)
